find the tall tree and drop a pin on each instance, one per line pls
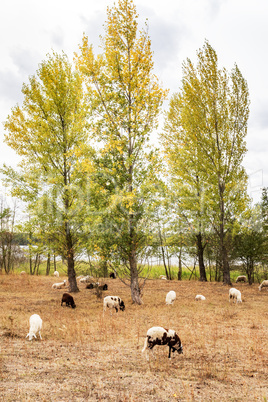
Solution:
(126, 98)
(49, 132)
(212, 112)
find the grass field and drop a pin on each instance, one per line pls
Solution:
(85, 356)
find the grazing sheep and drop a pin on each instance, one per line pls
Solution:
(235, 294)
(241, 278)
(35, 326)
(68, 300)
(170, 297)
(92, 285)
(163, 277)
(264, 284)
(59, 285)
(56, 273)
(113, 302)
(199, 297)
(162, 336)
(86, 279)
(23, 273)
(103, 287)
(113, 275)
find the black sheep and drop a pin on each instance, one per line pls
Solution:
(68, 300)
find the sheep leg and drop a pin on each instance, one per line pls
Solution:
(40, 334)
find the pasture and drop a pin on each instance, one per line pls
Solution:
(87, 356)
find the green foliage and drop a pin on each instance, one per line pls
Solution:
(204, 142)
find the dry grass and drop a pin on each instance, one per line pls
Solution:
(85, 356)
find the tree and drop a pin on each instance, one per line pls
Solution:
(126, 98)
(49, 133)
(250, 243)
(210, 114)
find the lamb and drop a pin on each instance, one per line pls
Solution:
(162, 336)
(35, 326)
(199, 297)
(112, 275)
(113, 302)
(264, 284)
(163, 277)
(23, 273)
(241, 278)
(68, 300)
(170, 297)
(235, 294)
(56, 273)
(59, 285)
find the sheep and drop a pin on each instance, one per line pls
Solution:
(92, 285)
(23, 273)
(59, 285)
(112, 275)
(35, 326)
(86, 279)
(56, 273)
(170, 297)
(97, 285)
(264, 284)
(68, 300)
(235, 294)
(199, 297)
(113, 302)
(162, 336)
(163, 277)
(241, 278)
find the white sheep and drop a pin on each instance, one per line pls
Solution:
(35, 326)
(86, 279)
(113, 302)
(170, 297)
(199, 297)
(23, 273)
(241, 278)
(59, 285)
(56, 273)
(264, 284)
(163, 277)
(235, 294)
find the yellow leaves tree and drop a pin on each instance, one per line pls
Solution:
(48, 131)
(125, 98)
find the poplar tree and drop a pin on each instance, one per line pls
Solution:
(49, 133)
(125, 98)
(210, 113)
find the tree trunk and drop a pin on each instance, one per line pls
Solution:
(48, 264)
(134, 284)
(70, 261)
(180, 268)
(200, 252)
(224, 256)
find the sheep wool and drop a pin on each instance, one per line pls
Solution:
(35, 326)
(170, 297)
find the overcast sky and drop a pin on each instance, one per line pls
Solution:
(236, 29)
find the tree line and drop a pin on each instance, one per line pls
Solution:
(91, 178)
